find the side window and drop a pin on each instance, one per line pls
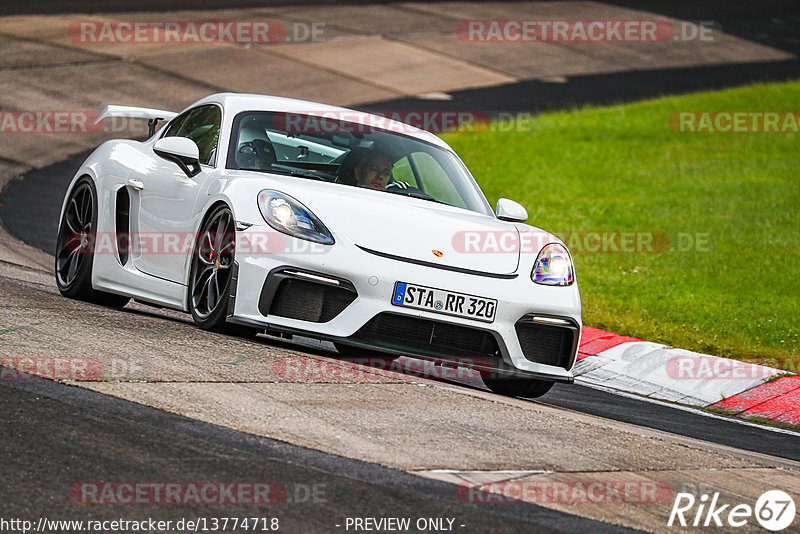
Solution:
(201, 125)
(402, 172)
(435, 179)
(175, 125)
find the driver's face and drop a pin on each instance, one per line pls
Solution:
(375, 173)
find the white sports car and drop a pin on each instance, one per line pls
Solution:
(258, 213)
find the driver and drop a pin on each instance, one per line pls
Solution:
(374, 171)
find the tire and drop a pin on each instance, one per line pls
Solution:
(517, 387)
(75, 248)
(211, 274)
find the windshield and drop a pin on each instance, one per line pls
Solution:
(351, 154)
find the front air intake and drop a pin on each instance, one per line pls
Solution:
(305, 295)
(309, 301)
(547, 344)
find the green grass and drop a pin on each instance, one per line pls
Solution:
(621, 168)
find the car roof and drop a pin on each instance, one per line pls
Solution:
(235, 103)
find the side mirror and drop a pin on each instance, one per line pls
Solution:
(508, 210)
(182, 151)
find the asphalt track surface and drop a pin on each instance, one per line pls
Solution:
(93, 437)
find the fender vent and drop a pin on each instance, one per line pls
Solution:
(123, 208)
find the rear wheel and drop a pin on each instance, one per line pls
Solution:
(212, 272)
(517, 387)
(75, 248)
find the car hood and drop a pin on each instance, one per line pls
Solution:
(409, 228)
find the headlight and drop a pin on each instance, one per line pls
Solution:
(289, 216)
(553, 266)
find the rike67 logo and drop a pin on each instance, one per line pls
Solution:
(774, 510)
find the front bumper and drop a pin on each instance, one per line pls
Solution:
(527, 314)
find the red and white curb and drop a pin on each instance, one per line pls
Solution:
(655, 371)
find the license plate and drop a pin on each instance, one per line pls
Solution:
(444, 302)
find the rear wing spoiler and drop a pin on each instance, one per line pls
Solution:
(152, 115)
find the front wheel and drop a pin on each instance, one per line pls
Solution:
(212, 272)
(517, 387)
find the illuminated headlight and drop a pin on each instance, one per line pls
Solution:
(553, 266)
(289, 216)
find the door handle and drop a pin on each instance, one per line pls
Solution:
(135, 184)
